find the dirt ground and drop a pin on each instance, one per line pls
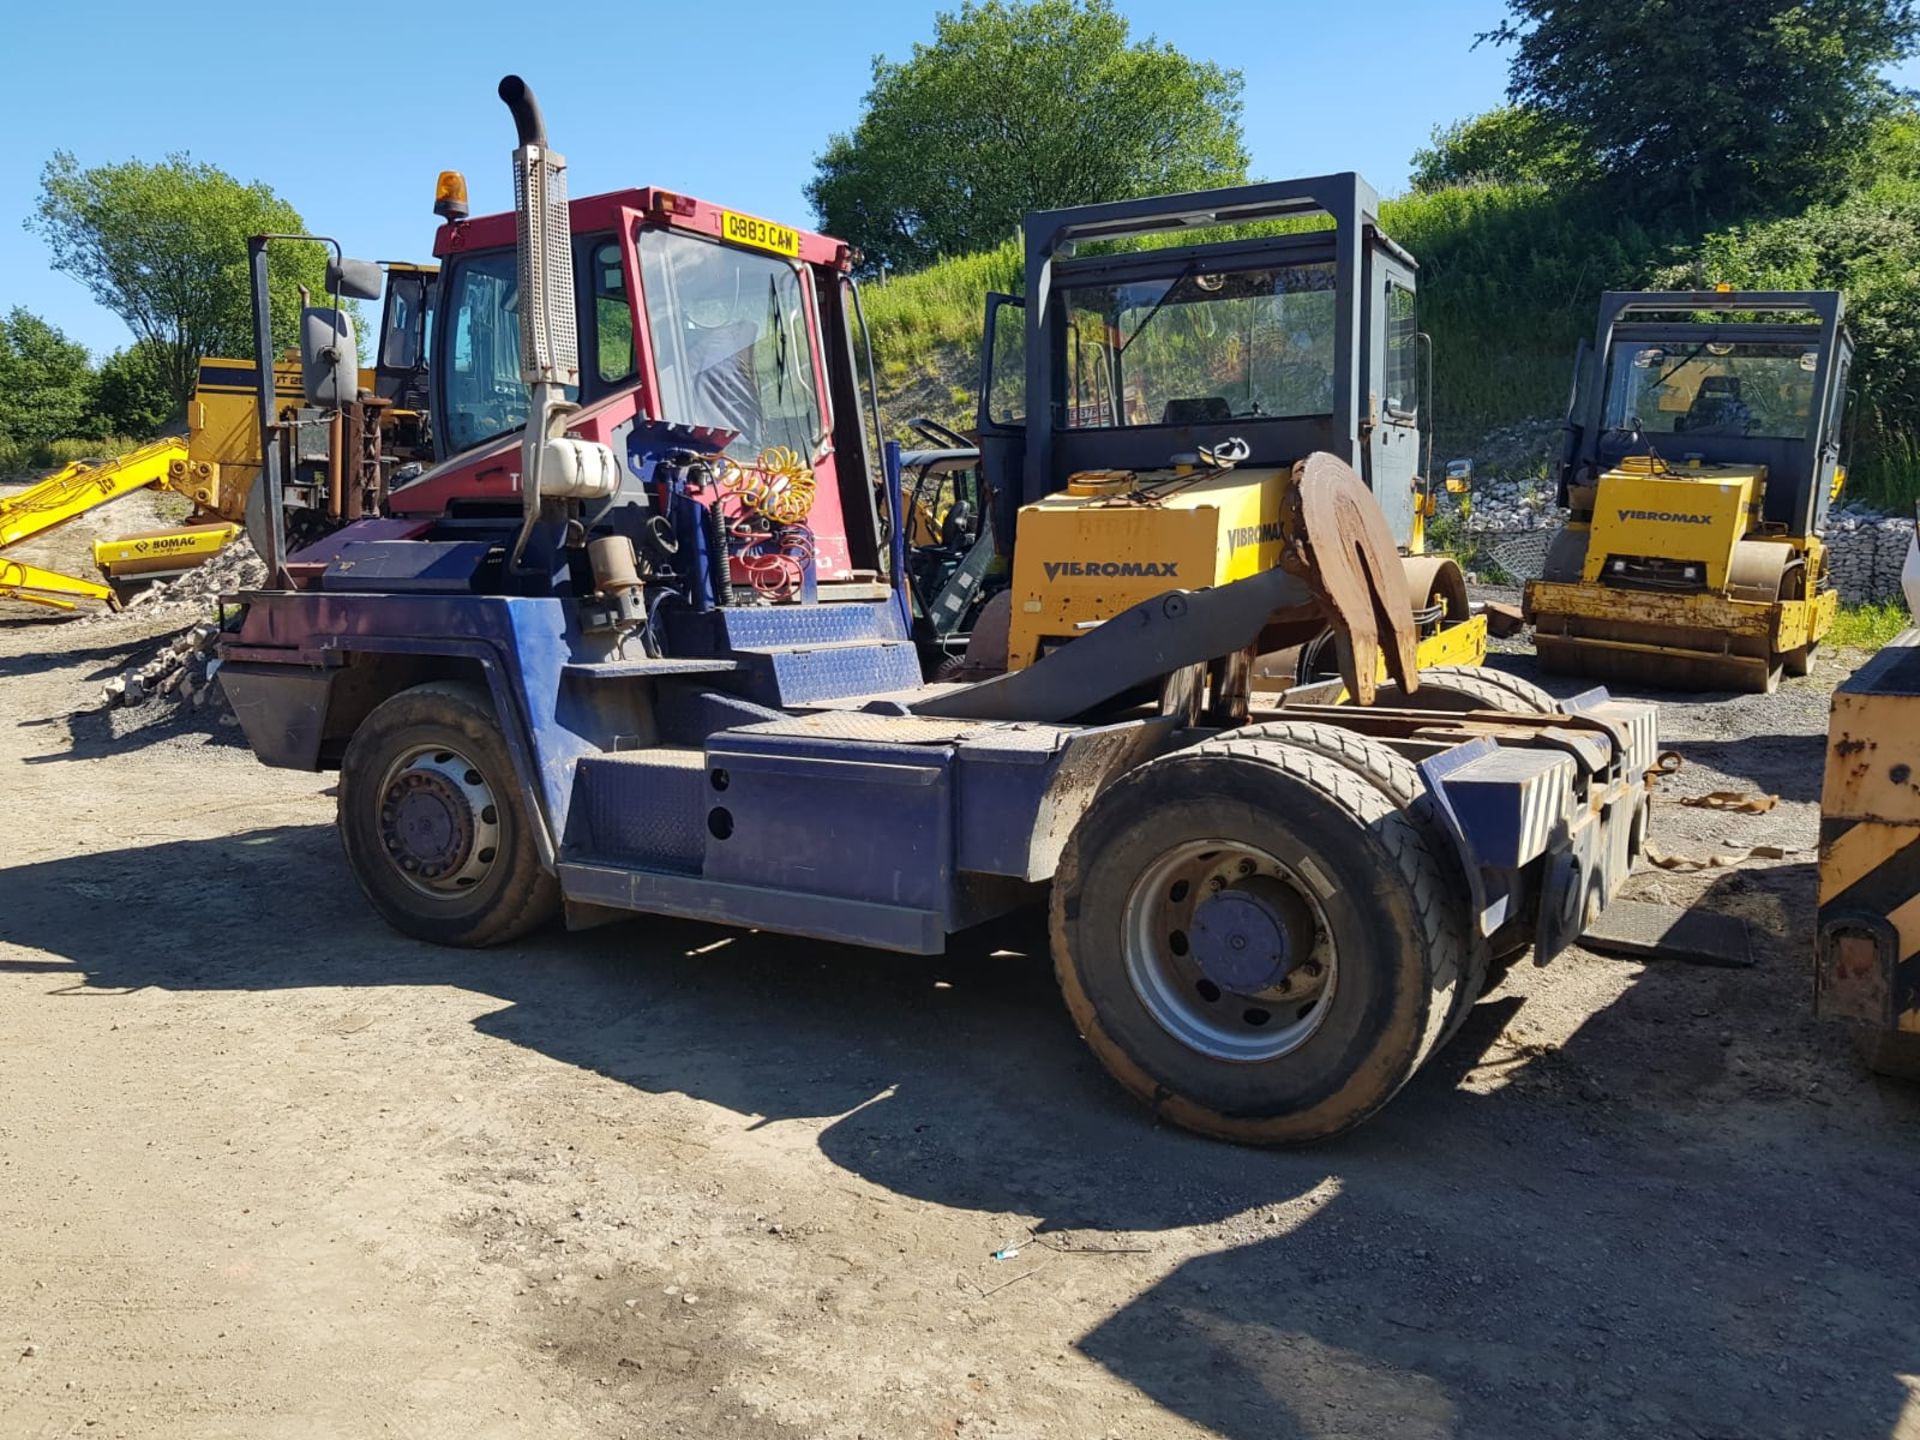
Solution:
(269, 1170)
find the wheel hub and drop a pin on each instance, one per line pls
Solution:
(427, 822)
(438, 821)
(1227, 951)
(1251, 935)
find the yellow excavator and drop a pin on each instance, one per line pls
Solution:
(343, 458)
(1703, 448)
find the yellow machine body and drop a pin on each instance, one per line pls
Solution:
(1097, 548)
(214, 467)
(1673, 580)
(1113, 539)
(163, 552)
(1695, 517)
(1867, 959)
(223, 433)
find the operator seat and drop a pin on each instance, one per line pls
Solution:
(1716, 406)
(1197, 410)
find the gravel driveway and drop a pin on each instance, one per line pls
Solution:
(268, 1169)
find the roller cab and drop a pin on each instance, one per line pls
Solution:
(1702, 451)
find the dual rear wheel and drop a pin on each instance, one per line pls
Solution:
(1264, 936)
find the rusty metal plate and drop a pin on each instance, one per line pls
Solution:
(1345, 553)
(1641, 930)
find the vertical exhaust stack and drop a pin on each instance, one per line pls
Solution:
(553, 466)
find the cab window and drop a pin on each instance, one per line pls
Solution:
(612, 316)
(483, 393)
(1200, 348)
(1403, 355)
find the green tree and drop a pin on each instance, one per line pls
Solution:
(164, 246)
(46, 381)
(1867, 245)
(1702, 112)
(1511, 145)
(1018, 106)
(134, 398)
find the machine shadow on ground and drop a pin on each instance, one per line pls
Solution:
(1618, 1237)
(119, 655)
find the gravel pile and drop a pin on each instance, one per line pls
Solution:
(181, 677)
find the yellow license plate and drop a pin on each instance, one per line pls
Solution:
(760, 234)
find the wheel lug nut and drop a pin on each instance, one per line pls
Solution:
(1246, 867)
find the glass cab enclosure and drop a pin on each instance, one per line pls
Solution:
(1122, 357)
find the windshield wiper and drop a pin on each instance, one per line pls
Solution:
(1158, 306)
(1682, 363)
(780, 341)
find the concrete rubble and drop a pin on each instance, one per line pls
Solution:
(183, 674)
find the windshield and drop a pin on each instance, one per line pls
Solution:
(730, 342)
(1198, 347)
(1712, 388)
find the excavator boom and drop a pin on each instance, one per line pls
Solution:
(65, 495)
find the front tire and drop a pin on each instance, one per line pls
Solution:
(433, 823)
(1345, 911)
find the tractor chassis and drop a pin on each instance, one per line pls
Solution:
(747, 786)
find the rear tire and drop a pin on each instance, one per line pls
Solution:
(1395, 777)
(1477, 687)
(433, 823)
(1472, 687)
(1255, 1065)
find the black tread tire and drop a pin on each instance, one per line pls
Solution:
(1491, 690)
(1386, 897)
(517, 894)
(1395, 777)
(1495, 689)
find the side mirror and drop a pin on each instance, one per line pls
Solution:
(1459, 476)
(353, 279)
(329, 357)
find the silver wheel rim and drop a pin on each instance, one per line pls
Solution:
(1205, 1015)
(438, 821)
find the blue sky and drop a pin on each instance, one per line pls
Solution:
(726, 99)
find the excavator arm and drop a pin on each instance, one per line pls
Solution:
(63, 496)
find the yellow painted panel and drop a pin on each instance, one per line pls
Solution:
(1086, 557)
(1873, 759)
(1647, 607)
(1695, 516)
(162, 549)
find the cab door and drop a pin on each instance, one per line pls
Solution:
(1390, 402)
(1002, 419)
